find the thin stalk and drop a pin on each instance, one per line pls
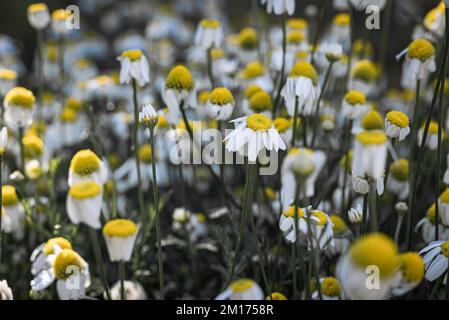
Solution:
(158, 223)
(99, 260)
(284, 51)
(121, 272)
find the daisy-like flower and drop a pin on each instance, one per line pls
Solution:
(179, 90)
(303, 164)
(133, 291)
(209, 34)
(419, 63)
(427, 226)
(370, 152)
(120, 236)
(134, 65)
(398, 178)
(5, 291)
(84, 201)
(276, 296)
(255, 74)
(375, 251)
(330, 289)
(14, 212)
(279, 7)
(85, 166)
(287, 223)
(38, 15)
(252, 135)
(59, 20)
(364, 75)
(8, 80)
(412, 273)
(341, 236)
(243, 289)
(220, 104)
(432, 135)
(397, 125)
(436, 257)
(19, 107)
(301, 88)
(361, 5)
(148, 117)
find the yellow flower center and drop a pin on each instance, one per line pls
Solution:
(61, 242)
(445, 249)
(399, 170)
(295, 37)
(33, 146)
(253, 70)
(260, 101)
(121, 228)
(179, 78)
(35, 7)
(242, 285)
(321, 216)
(421, 49)
(276, 296)
(66, 262)
(68, 115)
(283, 124)
(330, 287)
(73, 103)
(342, 20)
(20, 97)
(85, 190)
(444, 197)
(376, 250)
(290, 212)
(221, 96)
(133, 55)
(371, 137)
(8, 74)
(145, 153)
(9, 196)
(210, 24)
(60, 14)
(339, 225)
(354, 97)
(365, 70)
(398, 118)
(251, 90)
(412, 266)
(248, 39)
(304, 69)
(372, 120)
(85, 162)
(258, 122)
(297, 24)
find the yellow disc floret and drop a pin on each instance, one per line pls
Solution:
(412, 266)
(121, 228)
(85, 162)
(67, 262)
(371, 137)
(398, 118)
(304, 69)
(260, 101)
(9, 196)
(376, 250)
(330, 287)
(59, 241)
(20, 97)
(85, 190)
(372, 120)
(258, 122)
(221, 96)
(133, 55)
(179, 78)
(421, 49)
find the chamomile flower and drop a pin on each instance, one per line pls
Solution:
(412, 273)
(252, 135)
(134, 66)
(179, 91)
(14, 211)
(303, 164)
(374, 251)
(255, 74)
(398, 178)
(220, 104)
(59, 19)
(84, 201)
(330, 289)
(287, 223)
(436, 257)
(8, 80)
(243, 289)
(19, 105)
(432, 135)
(279, 7)
(209, 34)
(364, 75)
(85, 166)
(419, 63)
(301, 88)
(38, 15)
(397, 125)
(120, 236)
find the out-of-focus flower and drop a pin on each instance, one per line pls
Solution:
(375, 251)
(14, 212)
(59, 20)
(436, 257)
(397, 125)
(220, 104)
(19, 107)
(85, 166)
(287, 223)
(330, 289)
(243, 289)
(134, 65)
(209, 34)
(120, 236)
(133, 291)
(252, 135)
(8, 80)
(38, 15)
(279, 7)
(432, 135)
(5, 291)
(412, 273)
(83, 204)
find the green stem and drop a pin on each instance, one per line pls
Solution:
(121, 271)
(99, 260)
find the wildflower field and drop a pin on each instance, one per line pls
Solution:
(224, 150)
